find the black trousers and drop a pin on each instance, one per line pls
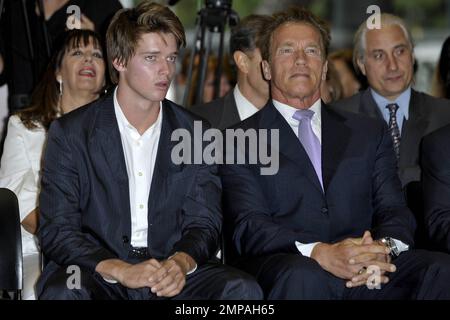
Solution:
(212, 281)
(420, 275)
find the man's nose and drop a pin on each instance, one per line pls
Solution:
(300, 56)
(392, 63)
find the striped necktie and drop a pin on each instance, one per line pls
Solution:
(393, 127)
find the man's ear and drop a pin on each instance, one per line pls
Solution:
(361, 66)
(119, 66)
(325, 70)
(266, 70)
(241, 61)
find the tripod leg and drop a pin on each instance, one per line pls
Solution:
(194, 53)
(218, 72)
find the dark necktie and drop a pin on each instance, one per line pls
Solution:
(393, 127)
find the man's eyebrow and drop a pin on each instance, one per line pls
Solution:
(157, 52)
(287, 43)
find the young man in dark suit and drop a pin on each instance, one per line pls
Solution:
(251, 91)
(332, 222)
(435, 163)
(385, 56)
(114, 207)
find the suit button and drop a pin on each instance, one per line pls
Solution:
(125, 239)
(324, 210)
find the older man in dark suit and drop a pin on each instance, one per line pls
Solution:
(386, 57)
(251, 91)
(128, 222)
(332, 223)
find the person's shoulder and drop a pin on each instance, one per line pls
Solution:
(432, 102)
(358, 121)
(185, 117)
(84, 116)
(350, 104)
(440, 136)
(16, 124)
(209, 110)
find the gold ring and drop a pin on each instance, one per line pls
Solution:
(362, 270)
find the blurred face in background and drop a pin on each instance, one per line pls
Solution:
(208, 89)
(388, 63)
(82, 70)
(350, 85)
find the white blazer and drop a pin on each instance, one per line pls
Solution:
(20, 171)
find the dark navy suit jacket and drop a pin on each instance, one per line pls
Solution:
(267, 214)
(85, 205)
(436, 186)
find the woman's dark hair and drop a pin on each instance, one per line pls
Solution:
(44, 100)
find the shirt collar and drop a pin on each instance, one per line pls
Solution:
(245, 108)
(402, 101)
(123, 122)
(288, 112)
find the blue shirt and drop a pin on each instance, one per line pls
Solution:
(403, 106)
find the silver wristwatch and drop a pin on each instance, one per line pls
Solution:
(390, 243)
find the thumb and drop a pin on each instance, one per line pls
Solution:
(367, 238)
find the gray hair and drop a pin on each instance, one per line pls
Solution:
(359, 47)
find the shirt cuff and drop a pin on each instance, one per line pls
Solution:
(192, 271)
(402, 247)
(306, 249)
(110, 281)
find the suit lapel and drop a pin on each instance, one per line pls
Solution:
(413, 129)
(230, 114)
(289, 145)
(369, 107)
(335, 138)
(164, 166)
(107, 136)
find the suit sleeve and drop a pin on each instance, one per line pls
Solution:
(436, 189)
(392, 218)
(62, 238)
(202, 216)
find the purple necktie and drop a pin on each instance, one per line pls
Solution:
(309, 140)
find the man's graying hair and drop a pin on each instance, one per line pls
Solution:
(359, 47)
(295, 15)
(246, 35)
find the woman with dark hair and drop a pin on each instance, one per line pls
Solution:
(74, 77)
(441, 83)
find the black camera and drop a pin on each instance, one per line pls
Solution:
(218, 4)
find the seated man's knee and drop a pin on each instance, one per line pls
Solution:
(239, 285)
(295, 277)
(66, 286)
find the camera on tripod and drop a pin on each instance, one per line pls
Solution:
(212, 19)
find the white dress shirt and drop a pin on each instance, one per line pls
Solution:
(245, 108)
(140, 158)
(316, 123)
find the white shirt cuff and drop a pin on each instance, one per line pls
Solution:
(110, 281)
(305, 249)
(192, 271)
(400, 245)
